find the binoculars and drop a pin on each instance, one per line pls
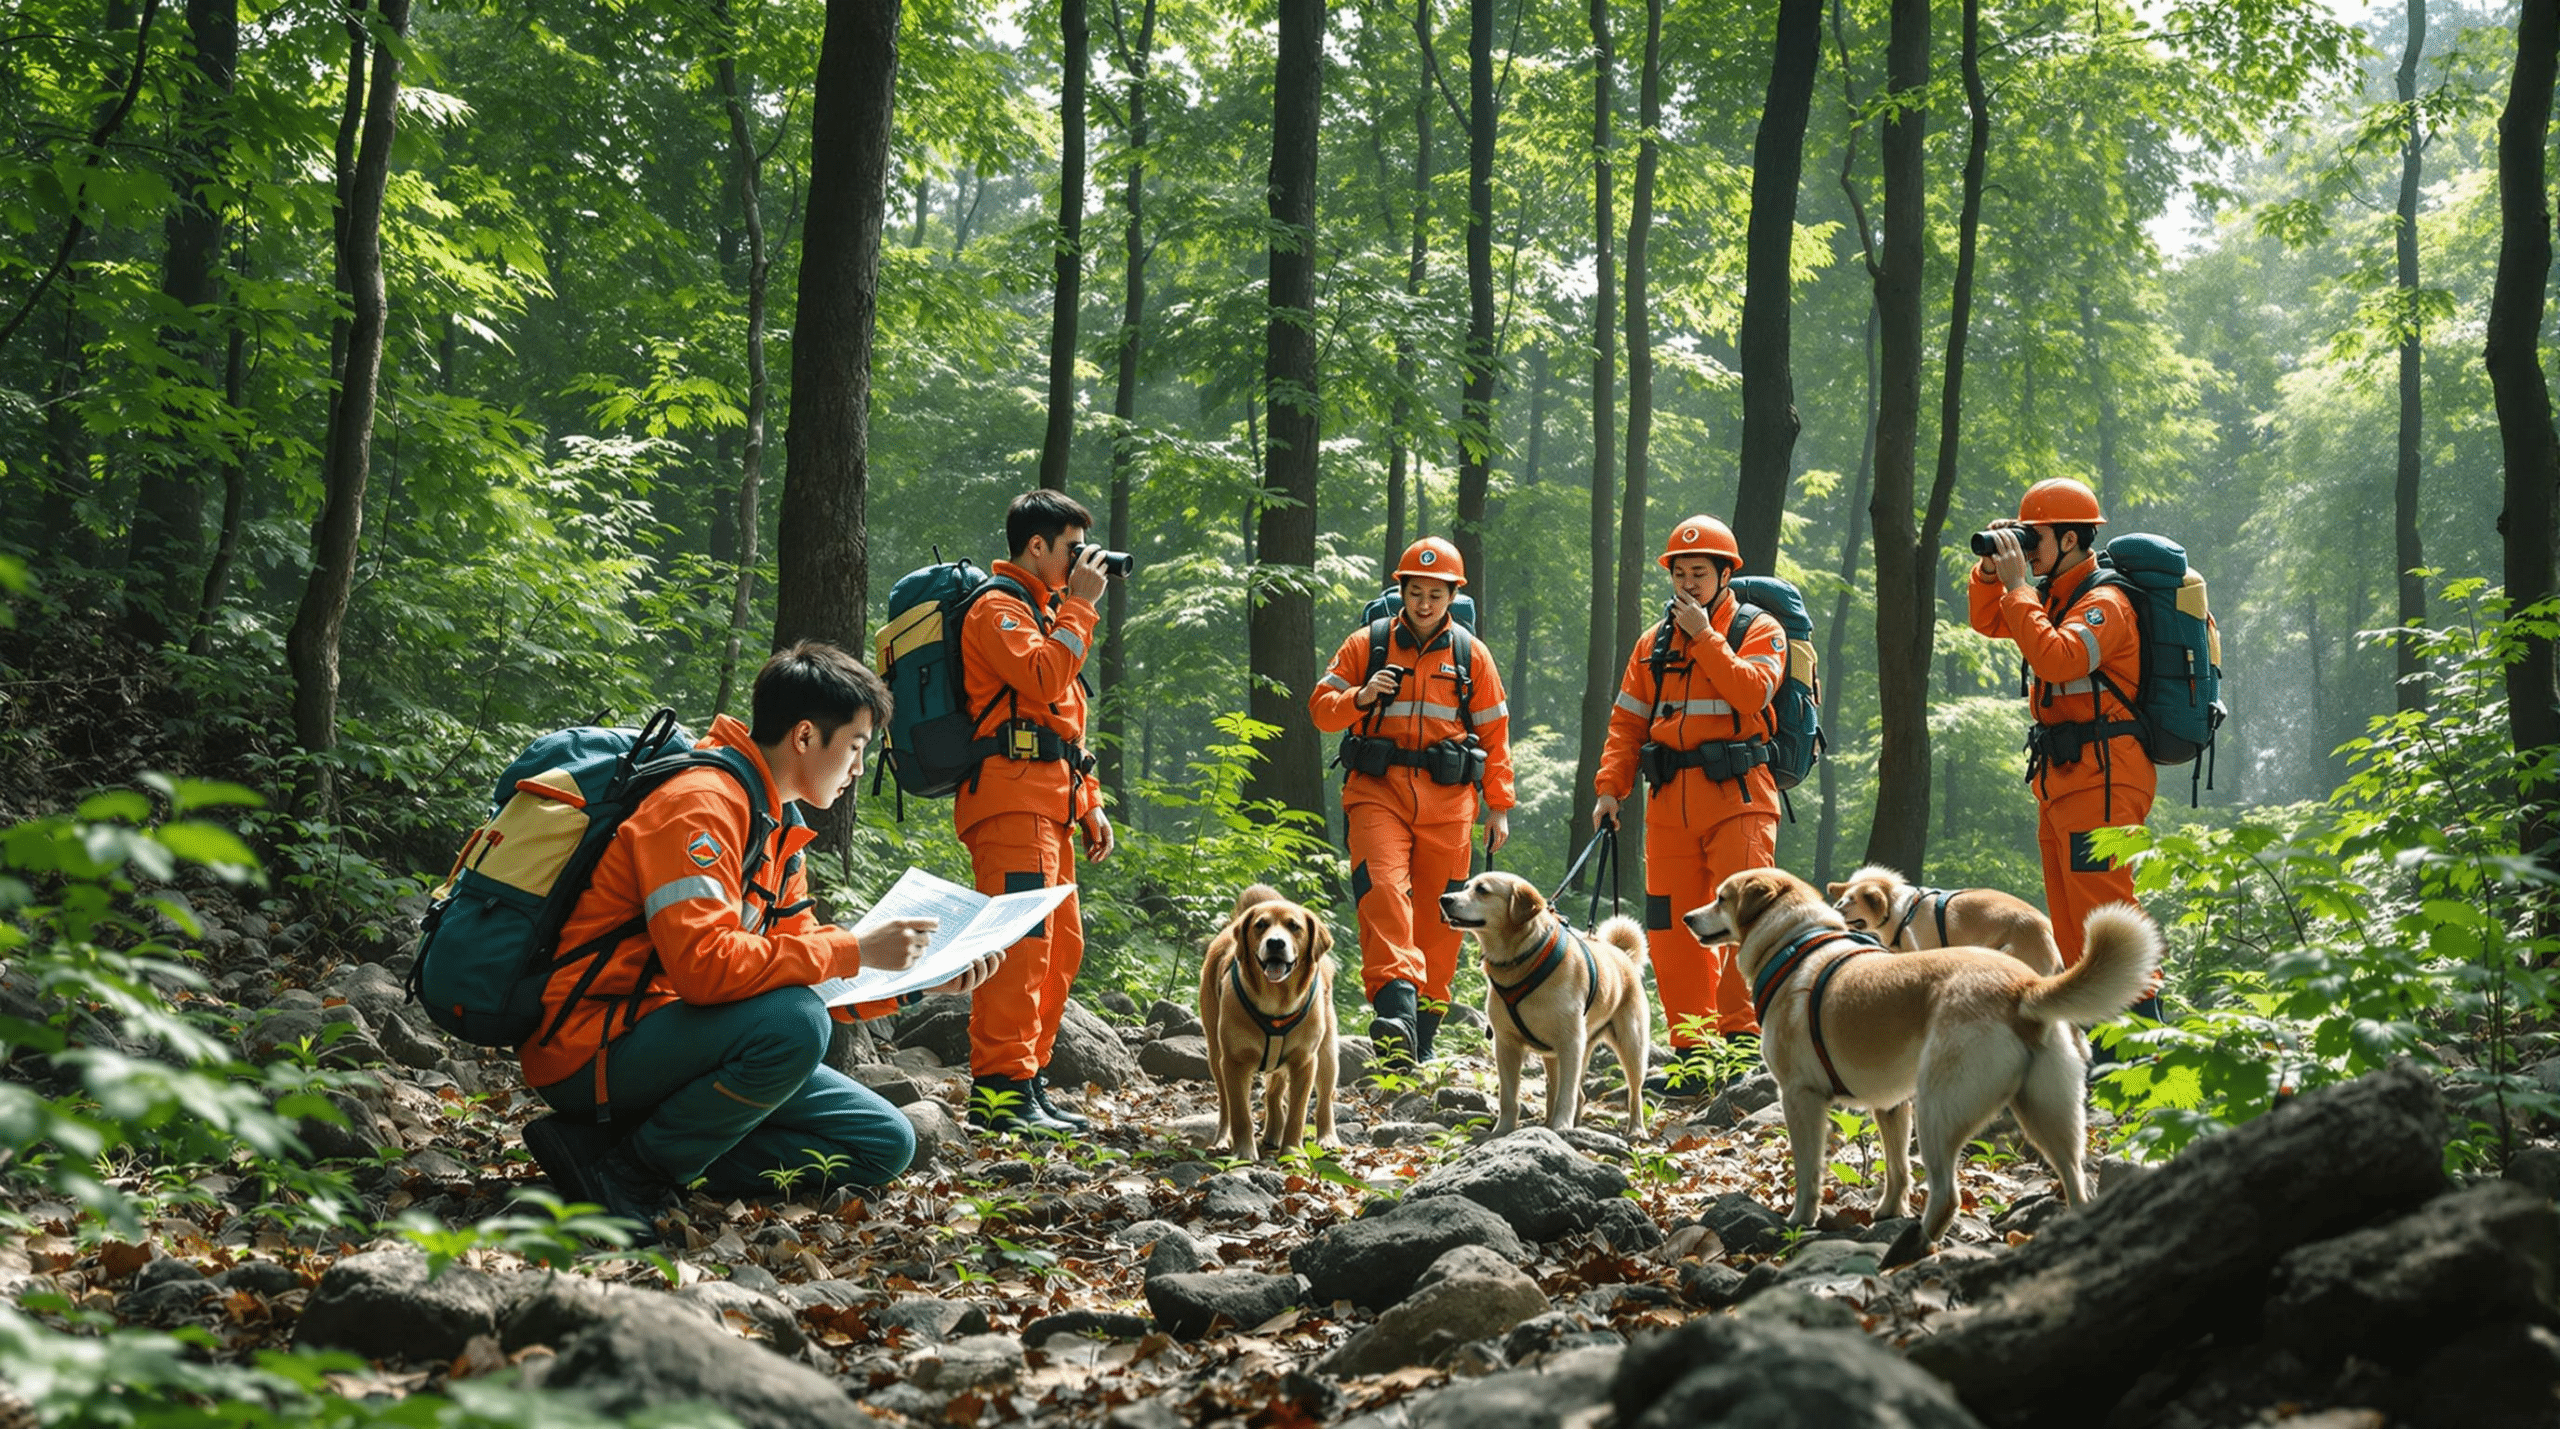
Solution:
(1114, 563)
(2028, 539)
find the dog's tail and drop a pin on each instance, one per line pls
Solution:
(1624, 934)
(2122, 952)
(1254, 896)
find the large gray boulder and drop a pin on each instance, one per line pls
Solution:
(1531, 1178)
(2395, 1291)
(2142, 1267)
(1468, 1294)
(1180, 1058)
(1189, 1306)
(1765, 1374)
(1088, 1051)
(652, 1352)
(382, 1305)
(1562, 1391)
(1376, 1261)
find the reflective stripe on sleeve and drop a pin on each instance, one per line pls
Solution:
(1499, 709)
(2089, 638)
(2081, 686)
(1332, 681)
(1067, 637)
(693, 886)
(1634, 706)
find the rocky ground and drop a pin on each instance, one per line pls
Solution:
(2313, 1268)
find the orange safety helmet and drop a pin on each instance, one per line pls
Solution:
(1433, 558)
(1701, 536)
(2059, 501)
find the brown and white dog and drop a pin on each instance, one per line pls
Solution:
(1881, 901)
(1951, 1036)
(1266, 1008)
(1552, 991)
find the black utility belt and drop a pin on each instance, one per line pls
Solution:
(1028, 742)
(1724, 760)
(2064, 743)
(1446, 761)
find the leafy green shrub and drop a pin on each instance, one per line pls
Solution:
(2401, 918)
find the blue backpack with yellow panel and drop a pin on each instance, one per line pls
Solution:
(2177, 700)
(490, 941)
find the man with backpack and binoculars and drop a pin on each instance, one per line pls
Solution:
(2098, 632)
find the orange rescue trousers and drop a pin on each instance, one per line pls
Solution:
(2077, 881)
(1702, 989)
(1398, 872)
(1014, 1014)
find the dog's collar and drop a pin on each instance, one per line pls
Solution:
(1273, 1028)
(1549, 959)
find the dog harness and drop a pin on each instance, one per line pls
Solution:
(1275, 1030)
(1944, 896)
(1797, 951)
(1552, 959)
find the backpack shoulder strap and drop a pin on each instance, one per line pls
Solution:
(1660, 660)
(1462, 647)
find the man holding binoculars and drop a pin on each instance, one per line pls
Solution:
(1023, 661)
(2034, 586)
(1433, 728)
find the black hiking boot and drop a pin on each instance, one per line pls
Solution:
(1072, 1120)
(567, 1151)
(632, 1189)
(1010, 1106)
(1689, 1076)
(1397, 1028)
(1426, 1027)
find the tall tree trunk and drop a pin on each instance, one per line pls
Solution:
(746, 169)
(1475, 417)
(1281, 643)
(1515, 675)
(1075, 38)
(1826, 841)
(235, 499)
(2112, 492)
(1124, 406)
(2514, 359)
(1769, 421)
(1416, 267)
(312, 646)
(822, 553)
(1601, 655)
(1900, 835)
(1634, 551)
(2410, 687)
(167, 539)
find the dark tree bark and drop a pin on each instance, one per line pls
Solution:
(2514, 359)
(1124, 402)
(235, 501)
(1769, 421)
(822, 550)
(76, 226)
(1281, 641)
(2410, 685)
(312, 646)
(167, 539)
(1076, 39)
(1903, 624)
(1827, 831)
(746, 170)
(1416, 268)
(1635, 553)
(1601, 654)
(1475, 415)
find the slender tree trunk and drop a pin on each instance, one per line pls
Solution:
(2410, 687)
(1416, 267)
(1635, 556)
(1475, 418)
(235, 500)
(167, 540)
(1515, 676)
(1601, 655)
(822, 553)
(1281, 643)
(312, 646)
(1900, 834)
(2112, 493)
(2514, 359)
(1124, 408)
(1835, 643)
(110, 120)
(1769, 421)
(746, 169)
(1055, 446)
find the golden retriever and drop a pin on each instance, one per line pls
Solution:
(1266, 1007)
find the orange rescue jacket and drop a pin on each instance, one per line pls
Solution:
(1709, 691)
(2072, 633)
(1424, 711)
(701, 931)
(1025, 665)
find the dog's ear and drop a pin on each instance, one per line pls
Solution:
(1747, 896)
(1319, 936)
(1834, 891)
(1526, 904)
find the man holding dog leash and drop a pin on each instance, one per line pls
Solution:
(1428, 727)
(1692, 716)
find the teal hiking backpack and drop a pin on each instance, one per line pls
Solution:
(1389, 603)
(1795, 711)
(933, 746)
(1380, 616)
(2178, 699)
(490, 941)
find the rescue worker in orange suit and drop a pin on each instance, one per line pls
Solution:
(1023, 648)
(694, 1046)
(1409, 810)
(2083, 655)
(1699, 735)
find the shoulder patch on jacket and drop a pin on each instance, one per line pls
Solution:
(1008, 623)
(704, 850)
(2097, 615)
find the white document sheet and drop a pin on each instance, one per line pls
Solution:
(972, 925)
